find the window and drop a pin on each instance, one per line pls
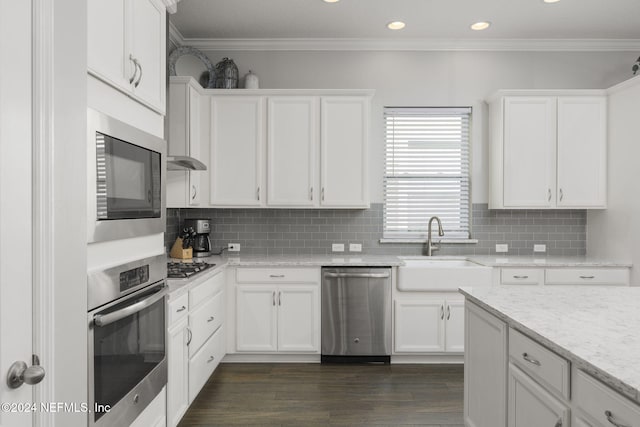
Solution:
(426, 172)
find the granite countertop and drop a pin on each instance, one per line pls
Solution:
(546, 261)
(595, 328)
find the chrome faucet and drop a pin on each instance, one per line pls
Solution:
(431, 247)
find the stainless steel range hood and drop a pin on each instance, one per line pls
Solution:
(182, 163)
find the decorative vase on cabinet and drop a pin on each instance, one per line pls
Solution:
(226, 74)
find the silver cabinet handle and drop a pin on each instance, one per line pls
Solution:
(274, 298)
(135, 70)
(276, 276)
(587, 277)
(279, 298)
(322, 194)
(258, 193)
(190, 336)
(358, 275)
(448, 312)
(140, 77)
(210, 319)
(561, 195)
(442, 312)
(183, 308)
(520, 277)
(531, 360)
(559, 423)
(549, 196)
(311, 193)
(195, 192)
(211, 358)
(612, 420)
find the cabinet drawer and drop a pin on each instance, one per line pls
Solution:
(206, 289)
(539, 362)
(587, 276)
(178, 308)
(599, 402)
(204, 362)
(278, 275)
(205, 320)
(522, 276)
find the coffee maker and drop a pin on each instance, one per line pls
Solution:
(201, 242)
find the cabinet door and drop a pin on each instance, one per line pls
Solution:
(292, 144)
(485, 369)
(256, 318)
(344, 137)
(454, 326)
(106, 42)
(419, 326)
(530, 405)
(298, 318)
(237, 135)
(178, 372)
(147, 28)
(529, 152)
(582, 152)
(194, 145)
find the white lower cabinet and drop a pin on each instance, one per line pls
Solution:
(530, 405)
(204, 362)
(178, 372)
(283, 318)
(429, 325)
(485, 369)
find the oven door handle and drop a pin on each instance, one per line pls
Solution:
(106, 319)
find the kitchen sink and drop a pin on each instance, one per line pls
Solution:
(441, 274)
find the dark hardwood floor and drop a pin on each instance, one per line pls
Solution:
(320, 395)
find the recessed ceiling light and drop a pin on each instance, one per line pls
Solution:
(396, 25)
(331, 1)
(551, 1)
(482, 25)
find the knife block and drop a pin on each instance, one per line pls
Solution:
(177, 251)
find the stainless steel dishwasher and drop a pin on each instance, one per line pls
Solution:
(356, 314)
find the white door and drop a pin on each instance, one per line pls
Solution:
(529, 151)
(582, 152)
(298, 318)
(146, 24)
(531, 405)
(454, 326)
(419, 326)
(177, 372)
(292, 144)
(194, 145)
(106, 57)
(256, 318)
(15, 206)
(344, 137)
(237, 135)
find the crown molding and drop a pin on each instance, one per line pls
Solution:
(326, 44)
(631, 82)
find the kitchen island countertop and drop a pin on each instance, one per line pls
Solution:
(596, 328)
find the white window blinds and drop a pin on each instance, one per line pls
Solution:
(426, 171)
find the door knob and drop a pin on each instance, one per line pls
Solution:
(19, 373)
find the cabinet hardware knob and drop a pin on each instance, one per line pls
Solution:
(211, 358)
(531, 360)
(183, 308)
(612, 420)
(587, 277)
(520, 277)
(210, 319)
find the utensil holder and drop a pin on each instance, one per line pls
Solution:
(177, 251)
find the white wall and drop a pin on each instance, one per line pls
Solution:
(614, 233)
(430, 79)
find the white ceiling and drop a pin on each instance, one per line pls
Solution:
(425, 19)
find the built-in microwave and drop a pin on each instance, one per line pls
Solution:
(125, 180)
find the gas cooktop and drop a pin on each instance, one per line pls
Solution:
(182, 270)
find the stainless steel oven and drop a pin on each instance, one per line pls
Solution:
(127, 340)
(126, 180)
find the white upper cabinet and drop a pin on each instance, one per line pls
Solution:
(529, 151)
(292, 145)
(237, 145)
(582, 152)
(343, 158)
(548, 150)
(127, 48)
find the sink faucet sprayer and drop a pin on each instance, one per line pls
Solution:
(430, 247)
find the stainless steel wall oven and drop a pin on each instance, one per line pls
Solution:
(126, 338)
(126, 180)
